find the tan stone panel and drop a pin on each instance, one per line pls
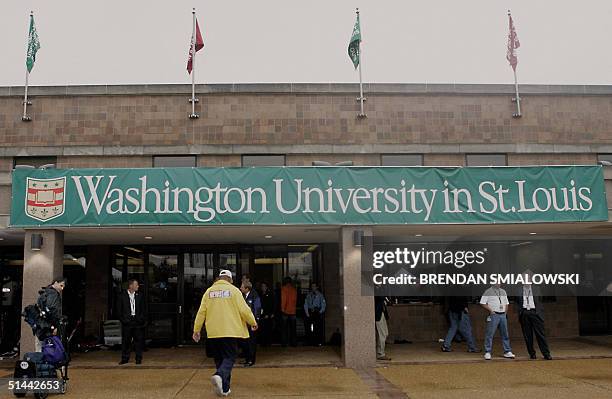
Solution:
(216, 161)
(131, 161)
(5, 200)
(552, 159)
(444, 159)
(358, 159)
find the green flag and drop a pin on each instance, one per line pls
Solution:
(353, 47)
(33, 45)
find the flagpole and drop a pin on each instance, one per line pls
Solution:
(361, 98)
(518, 98)
(25, 116)
(193, 57)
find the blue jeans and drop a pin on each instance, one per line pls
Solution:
(497, 320)
(224, 352)
(459, 321)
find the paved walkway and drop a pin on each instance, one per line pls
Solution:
(559, 379)
(582, 369)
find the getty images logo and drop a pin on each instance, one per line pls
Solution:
(45, 198)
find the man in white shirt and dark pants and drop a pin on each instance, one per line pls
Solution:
(133, 319)
(495, 301)
(531, 317)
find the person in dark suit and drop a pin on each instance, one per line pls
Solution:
(531, 317)
(131, 312)
(267, 315)
(254, 302)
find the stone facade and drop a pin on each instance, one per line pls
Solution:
(126, 126)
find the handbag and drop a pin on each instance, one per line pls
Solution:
(53, 350)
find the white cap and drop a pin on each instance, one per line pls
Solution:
(225, 273)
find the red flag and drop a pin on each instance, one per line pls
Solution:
(199, 44)
(513, 44)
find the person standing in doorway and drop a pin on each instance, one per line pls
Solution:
(381, 316)
(132, 314)
(459, 318)
(267, 315)
(531, 317)
(226, 315)
(288, 310)
(250, 344)
(314, 308)
(495, 301)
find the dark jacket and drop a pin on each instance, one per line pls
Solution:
(267, 304)
(380, 307)
(124, 310)
(254, 304)
(50, 301)
(537, 301)
(457, 304)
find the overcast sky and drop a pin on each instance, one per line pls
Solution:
(138, 41)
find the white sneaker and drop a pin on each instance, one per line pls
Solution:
(509, 355)
(487, 356)
(217, 384)
(226, 393)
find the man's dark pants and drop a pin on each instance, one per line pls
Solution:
(532, 323)
(132, 330)
(265, 331)
(314, 328)
(251, 346)
(224, 351)
(289, 330)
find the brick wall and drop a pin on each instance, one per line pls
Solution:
(427, 322)
(127, 161)
(289, 118)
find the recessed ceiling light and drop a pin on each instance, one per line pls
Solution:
(148, 238)
(418, 235)
(267, 236)
(532, 233)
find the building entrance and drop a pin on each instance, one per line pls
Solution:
(173, 280)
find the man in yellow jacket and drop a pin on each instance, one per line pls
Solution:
(226, 315)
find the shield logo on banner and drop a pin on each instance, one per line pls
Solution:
(45, 198)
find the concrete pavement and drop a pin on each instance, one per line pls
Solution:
(576, 379)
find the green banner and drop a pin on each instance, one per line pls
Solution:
(307, 195)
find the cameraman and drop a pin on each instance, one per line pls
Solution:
(50, 302)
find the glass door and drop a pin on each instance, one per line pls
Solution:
(197, 271)
(197, 276)
(162, 294)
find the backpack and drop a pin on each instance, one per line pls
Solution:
(53, 350)
(36, 317)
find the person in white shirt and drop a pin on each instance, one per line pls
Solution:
(531, 317)
(130, 310)
(495, 301)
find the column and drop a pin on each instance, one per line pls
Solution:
(359, 341)
(96, 287)
(39, 269)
